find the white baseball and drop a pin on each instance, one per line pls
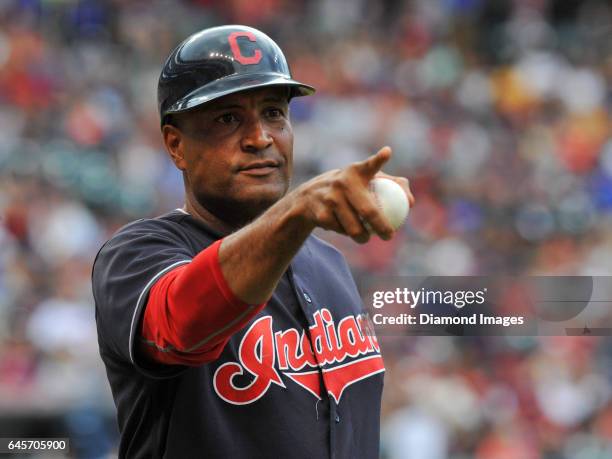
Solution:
(392, 200)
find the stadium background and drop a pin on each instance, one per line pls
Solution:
(498, 112)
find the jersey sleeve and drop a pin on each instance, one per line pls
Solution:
(192, 313)
(124, 271)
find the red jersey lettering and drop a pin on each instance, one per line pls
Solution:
(299, 360)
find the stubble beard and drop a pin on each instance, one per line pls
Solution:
(236, 213)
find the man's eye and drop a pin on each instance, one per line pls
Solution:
(227, 118)
(275, 113)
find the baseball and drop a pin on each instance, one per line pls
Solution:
(392, 199)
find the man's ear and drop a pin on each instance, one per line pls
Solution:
(174, 142)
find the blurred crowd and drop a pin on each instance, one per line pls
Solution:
(498, 111)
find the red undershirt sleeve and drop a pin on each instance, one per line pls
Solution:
(191, 313)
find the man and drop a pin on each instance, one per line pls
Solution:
(227, 329)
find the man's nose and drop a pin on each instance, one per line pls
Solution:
(256, 137)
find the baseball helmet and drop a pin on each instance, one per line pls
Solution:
(219, 61)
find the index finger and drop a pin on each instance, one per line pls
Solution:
(370, 166)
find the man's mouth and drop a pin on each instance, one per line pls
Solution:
(260, 168)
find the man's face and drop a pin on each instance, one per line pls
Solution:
(236, 153)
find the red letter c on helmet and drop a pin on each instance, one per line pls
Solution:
(245, 60)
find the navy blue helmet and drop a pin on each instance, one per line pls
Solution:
(219, 61)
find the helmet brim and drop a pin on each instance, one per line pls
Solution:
(237, 83)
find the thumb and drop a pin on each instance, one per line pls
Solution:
(370, 166)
